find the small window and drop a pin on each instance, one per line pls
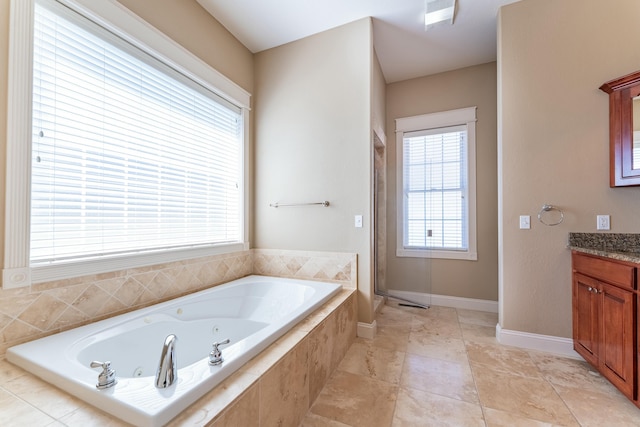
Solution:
(436, 181)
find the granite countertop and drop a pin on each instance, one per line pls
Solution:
(620, 246)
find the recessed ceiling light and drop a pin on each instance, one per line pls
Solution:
(439, 11)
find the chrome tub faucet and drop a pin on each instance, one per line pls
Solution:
(168, 368)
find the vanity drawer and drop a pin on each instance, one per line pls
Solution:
(609, 271)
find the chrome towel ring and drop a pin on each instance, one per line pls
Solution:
(548, 208)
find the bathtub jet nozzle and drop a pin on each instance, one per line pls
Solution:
(168, 368)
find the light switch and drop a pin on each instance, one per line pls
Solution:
(358, 221)
(525, 222)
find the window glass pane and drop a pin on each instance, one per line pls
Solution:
(435, 183)
(128, 155)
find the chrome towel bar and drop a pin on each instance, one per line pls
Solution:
(278, 205)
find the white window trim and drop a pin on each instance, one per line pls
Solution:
(463, 116)
(121, 21)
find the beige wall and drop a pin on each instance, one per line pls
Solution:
(189, 24)
(184, 21)
(473, 86)
(313, 143)
(553, 142)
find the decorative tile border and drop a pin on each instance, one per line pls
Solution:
(322, 266)
(47, 308)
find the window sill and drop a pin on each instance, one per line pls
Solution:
(437, 254)
(47, 273)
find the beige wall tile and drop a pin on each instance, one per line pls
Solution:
(242, 413)
(321, 341)
(284, 389)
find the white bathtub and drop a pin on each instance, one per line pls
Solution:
(252, 312)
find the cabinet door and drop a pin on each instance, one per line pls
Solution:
(586, 317)
(617, 337)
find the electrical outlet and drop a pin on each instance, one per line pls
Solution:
(603, 222)
(525, 222)
(358, 221)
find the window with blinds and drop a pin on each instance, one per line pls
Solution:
(435, 187)
(128, 155)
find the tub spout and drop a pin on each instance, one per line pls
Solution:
(168, 369)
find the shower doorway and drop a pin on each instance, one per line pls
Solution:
(416, 291)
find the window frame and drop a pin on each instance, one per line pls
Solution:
(425, 122)
(121, 21)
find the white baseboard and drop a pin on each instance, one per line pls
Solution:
(447, 301)
(367, 330)
(529, 341)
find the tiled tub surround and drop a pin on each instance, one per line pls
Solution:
(47, 308)
(621, 246)
(277, 387)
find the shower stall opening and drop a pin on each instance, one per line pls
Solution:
(415, 297)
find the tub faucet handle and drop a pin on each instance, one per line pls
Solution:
(215, 357)
(106, 378)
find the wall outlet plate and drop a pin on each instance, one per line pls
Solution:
(603, 222)
(358, 221)
(525, 222)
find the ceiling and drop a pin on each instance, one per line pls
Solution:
(404, 48)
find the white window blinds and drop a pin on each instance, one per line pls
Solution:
(435, 188)
(128, 155)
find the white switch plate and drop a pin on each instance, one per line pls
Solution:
(525, 222)
(603, 222)
(358, 221)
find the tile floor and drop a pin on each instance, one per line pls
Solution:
(444, 367)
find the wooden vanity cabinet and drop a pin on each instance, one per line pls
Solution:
(605, 321)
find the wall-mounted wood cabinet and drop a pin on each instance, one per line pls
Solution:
(624, 130)
(605, 319)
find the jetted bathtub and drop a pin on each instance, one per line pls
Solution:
(252, 312)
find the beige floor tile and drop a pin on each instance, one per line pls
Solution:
(496, 418)
(9, 371)
(394, 316)
(478, 333)
(374, 362)
(392, 337)
(356, 400)
(437, 346)
(480, 318)
(595, 409)
(419, 408)
(527, 397)
(570, 372)
(440, 327)
(450, 379)
(90, 417)
(16, 412)
(313, 420)
(438, 312)
(432, 312)
(502, 359)
(40, 394)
